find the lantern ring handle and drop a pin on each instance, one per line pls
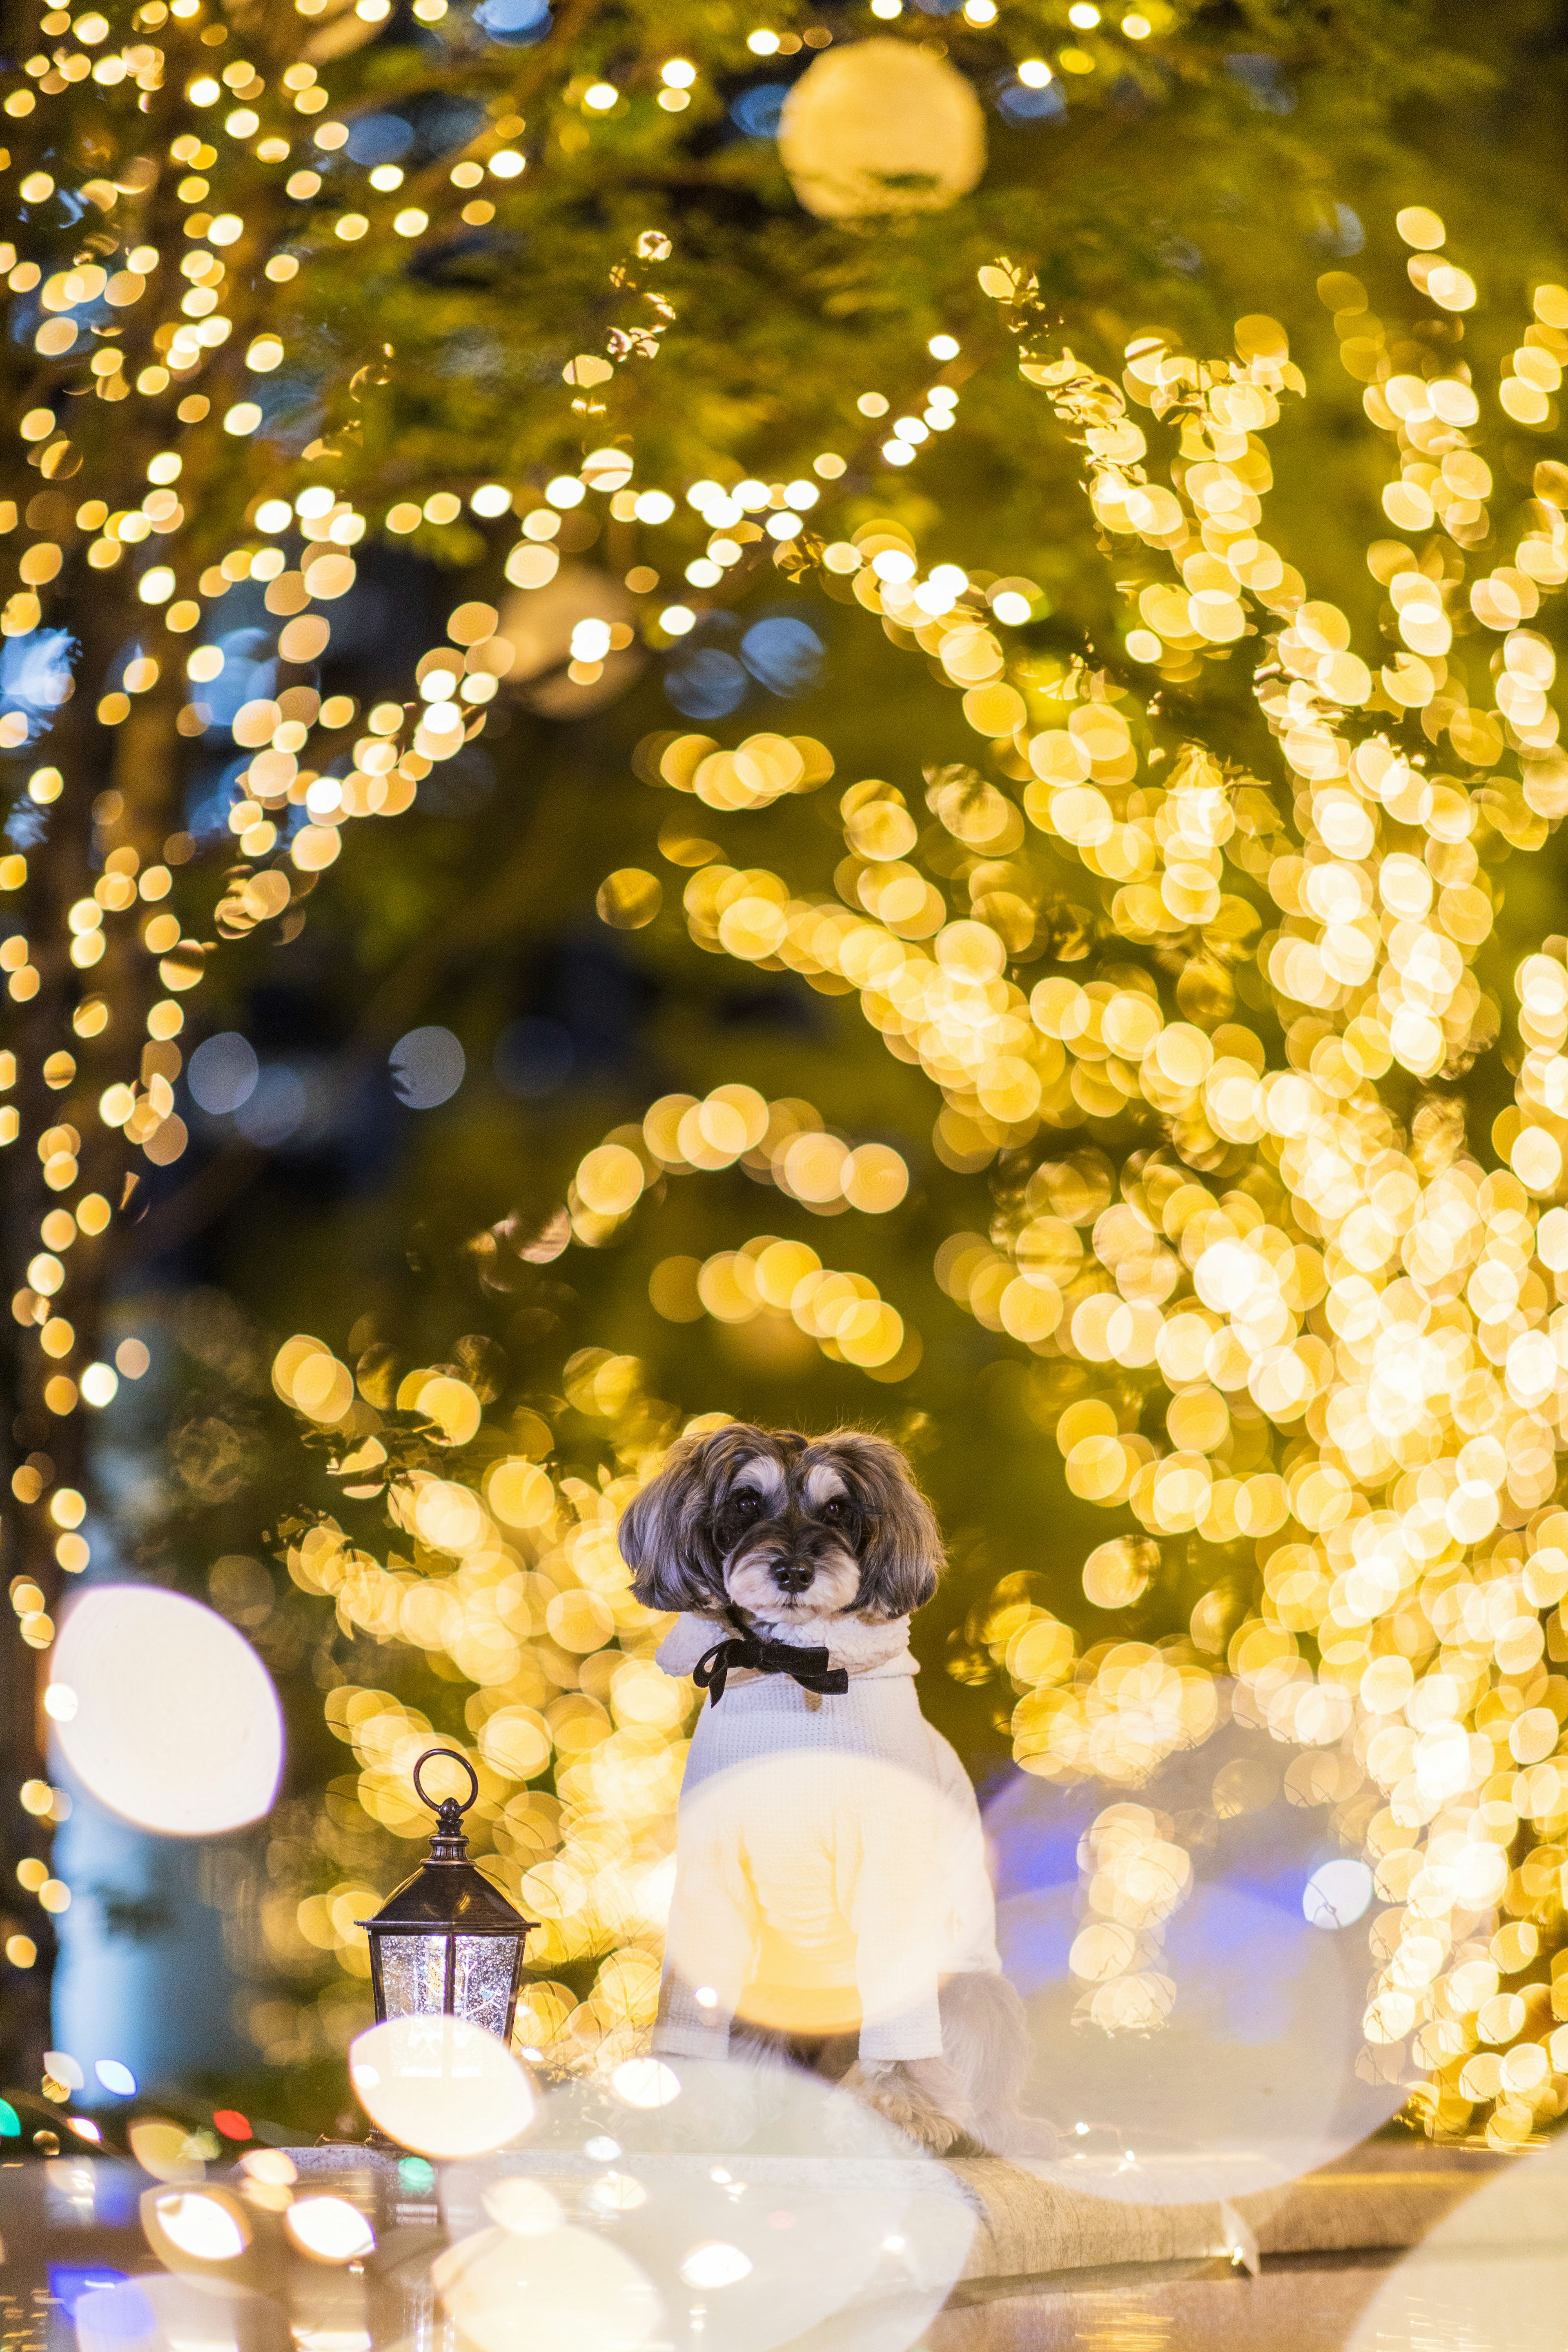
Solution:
(453, 1757)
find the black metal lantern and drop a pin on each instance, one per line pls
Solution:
(446, 1942)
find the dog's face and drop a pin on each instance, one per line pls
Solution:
(782, 1529)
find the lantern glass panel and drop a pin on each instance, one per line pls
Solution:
(481, 1980)
(413, 1975)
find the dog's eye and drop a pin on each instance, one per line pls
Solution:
(746, 1502)
(834, 1509)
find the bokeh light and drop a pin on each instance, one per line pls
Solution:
(439, 2086)
(1181, 1998)
(764, 2204)
(427, 1067)
(564, 2282)
(172, 1721)
(809, 1797)
(330, 2229)
(1492, 2271)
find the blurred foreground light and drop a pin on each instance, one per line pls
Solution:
(440, 2086)
(115, 2077)
(627, 900)
(330, 2229)
(427, 1067)
(644, 2083)
(573, 2286)
(893, 564)
(1337, 1894)
(166, 2150)
(527, 2208)
(166, 1712)
(1178, 1988)
(715, 2265)
(200, 2222)
(223, 1072)
(1493, 2270)
(156, 2311)
(785, 2241)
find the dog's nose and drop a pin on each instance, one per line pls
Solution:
(793, 1579)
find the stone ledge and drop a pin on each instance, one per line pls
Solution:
(1039, 2231)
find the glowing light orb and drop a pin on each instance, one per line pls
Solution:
(166, 2150)
(527, 2208)
(823, 1984)
(207, 2227)
(644, 2083)
(330, 2229)
(1168, 1944)
(567, 2285)
(767, 2205)
(1494, 2270)
(440, 2085)
(157, 2311)
(1337, 1894)
(716, 2264)
(176, 1726)
(878, 126)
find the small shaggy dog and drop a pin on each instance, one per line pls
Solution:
(830, 1865)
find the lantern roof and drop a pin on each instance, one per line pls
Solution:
(451, 1897)
(448, 1895)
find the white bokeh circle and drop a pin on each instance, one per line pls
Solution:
(168, 1716)
(755, 2206)
(440, 2085)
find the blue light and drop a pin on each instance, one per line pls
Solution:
(705, 683)
(757, 110)
(785, 656)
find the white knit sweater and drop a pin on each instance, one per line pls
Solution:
(830, 1864)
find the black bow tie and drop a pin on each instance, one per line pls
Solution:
(809, 1668)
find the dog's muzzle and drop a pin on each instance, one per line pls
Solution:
(810, 1668)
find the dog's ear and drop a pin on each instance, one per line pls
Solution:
(901, 1555)
(663, 1533)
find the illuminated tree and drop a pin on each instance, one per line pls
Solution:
(294, 277)
(1290, 1288)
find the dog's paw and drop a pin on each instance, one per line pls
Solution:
(919, 2096)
